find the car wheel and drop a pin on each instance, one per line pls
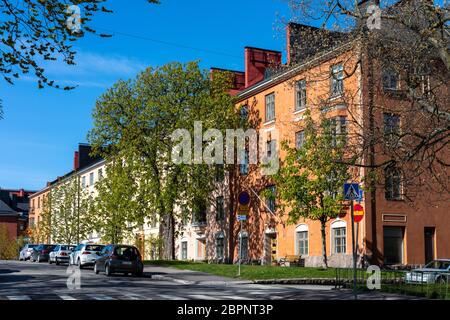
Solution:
(107, 270)
(441, 281)
(79, 264)
(95, 269)
(138, 274)
(56, 261)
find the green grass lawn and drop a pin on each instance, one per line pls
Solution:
(248, 272)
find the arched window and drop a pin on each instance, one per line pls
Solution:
(301, 240)
(339, 237)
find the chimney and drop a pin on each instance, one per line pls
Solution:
(257, 61)
(76, 160)
(303, 41)
(21, 193)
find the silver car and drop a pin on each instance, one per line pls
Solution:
(26, 251)
(437, 271)
(85, 255)
(60, 254)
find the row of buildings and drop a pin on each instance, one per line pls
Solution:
(327, 76)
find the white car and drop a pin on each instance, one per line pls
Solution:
(85, 255)
(437, 271)
(60, 254)
(26, 251)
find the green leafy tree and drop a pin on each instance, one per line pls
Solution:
(310, 181)
(136, 120)
(114, 204)
(8, 246)
(71, 218)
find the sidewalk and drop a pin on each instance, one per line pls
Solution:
(190, 277)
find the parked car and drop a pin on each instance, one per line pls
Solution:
(85, 254)
(437, 271)
(41, 252)
(26, 251)
(119, 258)
(60, 254)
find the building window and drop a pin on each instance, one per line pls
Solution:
(39, 202)
(393, 183)
(339, 237)
(390, 80)
(300, 95)
(302, 240)
(243, 167)
(199, 212)
(83, 181)
(184, 250)
(270, 200)
(31, 222)
(393, 245)
(220, 173)
(299, 139)
(244, 246)
(337, 80)
(91, 179)
(391, 127)
(339, 130)
(220, 211)
(100, 174)
(271, 147)
(270, 107)
(219, 247)
(244, 113)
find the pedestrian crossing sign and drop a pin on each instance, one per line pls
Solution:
(351, 191)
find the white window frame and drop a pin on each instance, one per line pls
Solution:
(338, 224)
(298, 229)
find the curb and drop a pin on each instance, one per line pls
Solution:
(312, 281)
(207, 283)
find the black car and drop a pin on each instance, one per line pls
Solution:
(41, 252)
(119, 258)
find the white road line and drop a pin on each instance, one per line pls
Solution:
(203, 297)
(18, 297)
(100, 297)
(236, 298)
(170, 297)
(66, 297)
(133, 296)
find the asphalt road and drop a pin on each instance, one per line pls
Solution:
(41, 281)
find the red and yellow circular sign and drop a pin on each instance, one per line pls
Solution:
(358, 212)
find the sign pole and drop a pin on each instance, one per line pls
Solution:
(353, 249)
(240, 251)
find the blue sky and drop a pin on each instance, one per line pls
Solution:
(42, 128)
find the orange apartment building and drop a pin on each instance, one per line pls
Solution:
(394, 230)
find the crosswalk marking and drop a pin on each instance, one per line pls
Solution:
(18, 297)
(100, 297)
(236, 298)
(170, 297)
(133, 296)
(66, 297)
(202, 297)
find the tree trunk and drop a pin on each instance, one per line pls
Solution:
(168, 237)
(324, 242)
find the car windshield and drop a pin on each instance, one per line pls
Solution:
(32, 245)
(130, 253)
(66, 247)
(94, 248)
(48, 247)
(441, 265)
